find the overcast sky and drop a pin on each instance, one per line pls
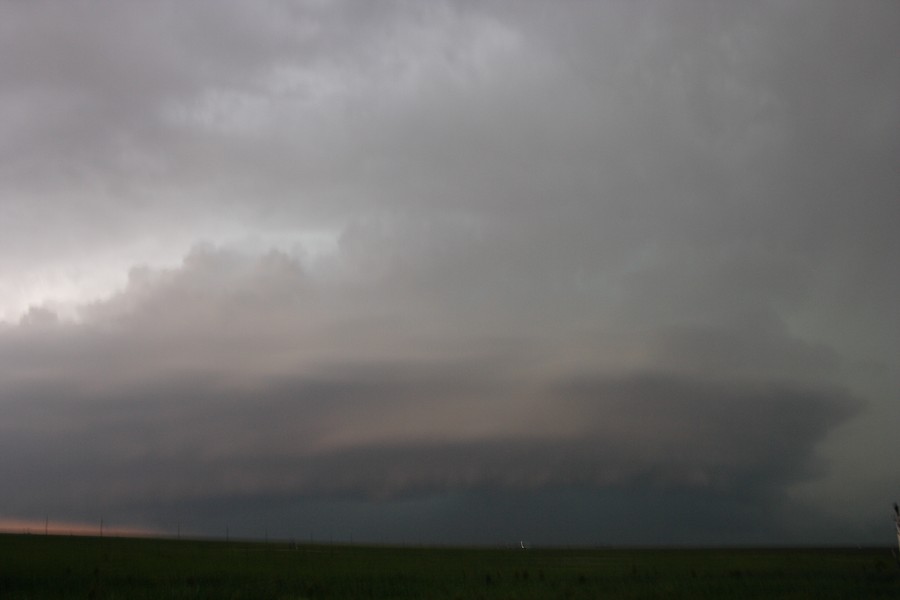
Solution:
(452, 271)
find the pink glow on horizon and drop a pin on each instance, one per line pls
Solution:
(51, 527)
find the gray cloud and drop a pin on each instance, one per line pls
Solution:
(237, 376)
(411, 250)
(382, 433)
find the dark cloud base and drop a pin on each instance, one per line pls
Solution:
(659, 460)
(558, 516)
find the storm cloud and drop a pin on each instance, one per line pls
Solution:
(386, 265)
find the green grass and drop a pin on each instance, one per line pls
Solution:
(38, 567)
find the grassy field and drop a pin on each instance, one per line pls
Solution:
(82, 567)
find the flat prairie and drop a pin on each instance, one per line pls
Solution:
(38, 567)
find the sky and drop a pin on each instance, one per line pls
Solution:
(452, 272)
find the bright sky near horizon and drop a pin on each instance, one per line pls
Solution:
(452, 271)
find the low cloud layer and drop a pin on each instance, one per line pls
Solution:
(236, 376)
